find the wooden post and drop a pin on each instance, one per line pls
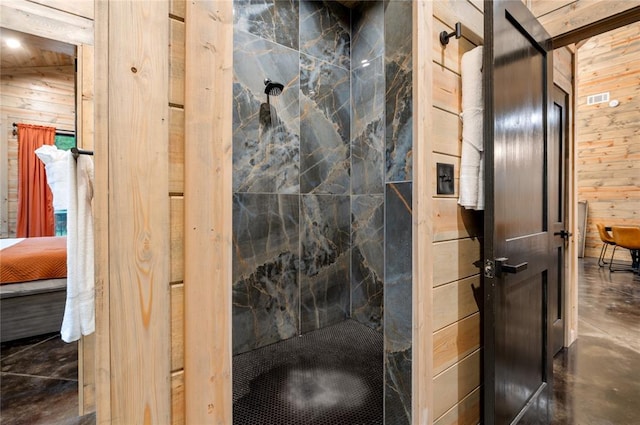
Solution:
(422, 382)
(208, 207)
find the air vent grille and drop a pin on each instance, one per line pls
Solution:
(598, 98)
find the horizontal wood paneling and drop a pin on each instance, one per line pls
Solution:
(447, 88)
(455, 342)
(467, 412)
(454, 260)
(177, 398)
(455, 231)
(176, 62)
(84, 8)
(176, 150)
(456, 383)
(48, 22)
(177, 238)
(178, 8)
(582, 12)
(451, 221)
(452, 11)
(454, 301)
(563, 69)
(177, 327)
(449, 56)
(543, 7)
(608, 139)
(447, 135)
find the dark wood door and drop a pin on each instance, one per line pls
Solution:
(518, 258)
(557, 212)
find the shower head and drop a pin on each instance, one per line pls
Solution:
(272, 89)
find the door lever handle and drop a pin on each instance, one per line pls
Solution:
(563, 234)
(503, 267)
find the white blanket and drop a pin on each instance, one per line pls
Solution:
(79, 312)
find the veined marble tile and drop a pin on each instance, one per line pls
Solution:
(367, 259)
(265, 269)
(368, 129)
(325, 31)
(266, 142)
(324, 263)
(367, 32)
(397, 296)
(397, 388)
(273, 20)
(324, 127)
(399, 86)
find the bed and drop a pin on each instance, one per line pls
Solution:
(32, 286)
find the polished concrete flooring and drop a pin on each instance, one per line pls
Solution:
(596, 380)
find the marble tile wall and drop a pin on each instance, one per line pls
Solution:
(322, 176)
(265, 269)
(397, 296)
(324, 262)
(367, 259)
(292, 167)
(398, 204)
(398, 86)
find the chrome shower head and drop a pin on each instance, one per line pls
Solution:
(272, 89)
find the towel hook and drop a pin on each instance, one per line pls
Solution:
(444, 36)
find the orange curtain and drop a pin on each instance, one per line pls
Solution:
(35, 200)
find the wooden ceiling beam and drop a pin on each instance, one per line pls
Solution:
(606, 24)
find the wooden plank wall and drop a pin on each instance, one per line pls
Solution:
(561, 16)
(456, 246)
(422, 267)
(41, 96)
(133, 227)
(608, 139)
(177, 13)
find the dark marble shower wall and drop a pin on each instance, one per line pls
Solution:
(292, 169)
(322, 176)
(398, 209)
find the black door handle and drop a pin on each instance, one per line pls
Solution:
(503, 267)
(563, 234)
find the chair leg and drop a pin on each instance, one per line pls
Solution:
(611, 261)
(624, 269)
(603, 252)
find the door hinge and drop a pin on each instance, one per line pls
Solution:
(489, 269)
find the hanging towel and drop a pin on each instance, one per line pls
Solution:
(472, 161)
(79, 312)
(57, 169)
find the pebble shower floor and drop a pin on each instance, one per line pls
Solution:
(332, 376)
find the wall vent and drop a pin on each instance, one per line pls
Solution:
(598, 98)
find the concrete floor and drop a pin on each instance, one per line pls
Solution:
(596, 380)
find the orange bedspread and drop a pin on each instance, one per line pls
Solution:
(34, 259)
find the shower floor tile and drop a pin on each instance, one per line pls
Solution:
(332, 376)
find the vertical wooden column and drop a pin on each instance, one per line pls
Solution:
(208, 207)
(422, 382)
(101, 214)
(132, 144)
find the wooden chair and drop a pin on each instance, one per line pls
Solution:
(629, 238)
(607, 240)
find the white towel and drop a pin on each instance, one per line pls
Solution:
(472, 161)
(57, 169)
(79, 312)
